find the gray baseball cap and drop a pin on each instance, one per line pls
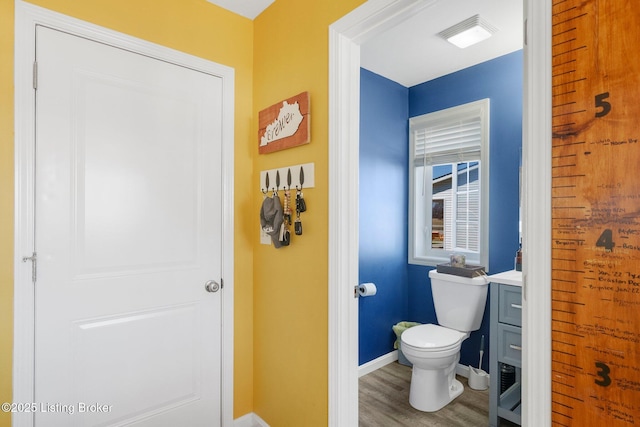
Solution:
(271, 218)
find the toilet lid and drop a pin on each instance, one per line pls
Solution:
(432, 337)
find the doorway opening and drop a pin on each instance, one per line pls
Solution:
(345, 38)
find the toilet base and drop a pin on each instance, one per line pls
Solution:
(432, 390)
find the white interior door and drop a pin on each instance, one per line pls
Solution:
(128, 218)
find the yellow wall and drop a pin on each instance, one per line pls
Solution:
(290, 283)
(281, 308)
(6, 203)
(193, 26)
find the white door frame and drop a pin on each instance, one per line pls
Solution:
(345, 37)
(27, 17)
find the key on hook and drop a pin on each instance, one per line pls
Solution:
(301, 205)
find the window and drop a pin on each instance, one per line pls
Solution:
(449, 185)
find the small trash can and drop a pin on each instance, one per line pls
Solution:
(399, 328)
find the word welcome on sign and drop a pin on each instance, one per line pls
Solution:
(285, 124)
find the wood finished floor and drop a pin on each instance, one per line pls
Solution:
(384, 402)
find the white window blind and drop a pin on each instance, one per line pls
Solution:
(442, 137)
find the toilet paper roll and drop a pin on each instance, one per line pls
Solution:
(367, 289)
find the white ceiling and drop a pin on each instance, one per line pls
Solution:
(247, 8)
(413, 53)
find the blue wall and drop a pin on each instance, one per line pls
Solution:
(383, 202)
(404, 291)
(501, 81)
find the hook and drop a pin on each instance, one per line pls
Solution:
(301, 179)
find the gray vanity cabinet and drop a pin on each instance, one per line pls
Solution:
(505, 348)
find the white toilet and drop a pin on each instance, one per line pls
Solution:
(434, 350)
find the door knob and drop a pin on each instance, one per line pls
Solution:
(212, 286)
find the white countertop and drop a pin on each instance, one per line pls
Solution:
(511, 277)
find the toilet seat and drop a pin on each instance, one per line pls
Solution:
(432, 338)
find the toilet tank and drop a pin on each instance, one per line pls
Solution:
(459, 301)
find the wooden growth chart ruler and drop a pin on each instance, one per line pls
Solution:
(596, 213)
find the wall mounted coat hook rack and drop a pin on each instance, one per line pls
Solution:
(304, 176)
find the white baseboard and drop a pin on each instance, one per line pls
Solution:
(249, 420)
(462, 370)
(378, 363)
(385, 359)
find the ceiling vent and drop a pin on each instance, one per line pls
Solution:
(468, 32)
